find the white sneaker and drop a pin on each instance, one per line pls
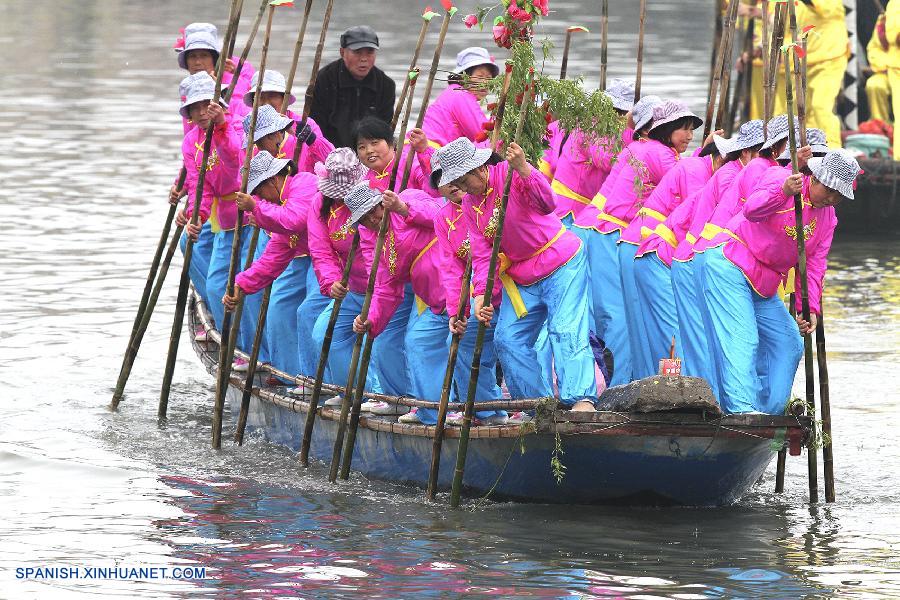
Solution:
(200, 334)
(455, 419)
(386, 408)
(411, 417)
(298, 391)
(240, 365)
(367, 405)
(334, 401)
(518, 418)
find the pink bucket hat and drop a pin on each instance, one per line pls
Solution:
(340, 173)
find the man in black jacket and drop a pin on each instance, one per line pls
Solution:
(352, 87)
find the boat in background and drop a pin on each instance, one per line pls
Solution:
(659, 458)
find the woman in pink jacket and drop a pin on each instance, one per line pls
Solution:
(457, 112)
(544, 272)
(376, 150)
(600, 239)
(409, 265)
(748, 322)
(280, 207)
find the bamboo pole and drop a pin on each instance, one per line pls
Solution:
(181, 300)
(323, 357)
(455, 340)
(604, 41)
(799, 85)
(825, 412)
(766, 40)
(267, 294)
(565, 58)
(232, 320)
(311, 88)
(229, 43)
(728, 28)
(347, 400)
(134, 343)
(488, 293)
(774, 57)
(246, 51)
(350, 443)
(742, 89)
(801, 277)
(640, 51)
(412, 67)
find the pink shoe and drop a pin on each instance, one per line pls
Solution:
(240, 365)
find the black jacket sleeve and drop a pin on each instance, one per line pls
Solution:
(385, 106)
(324, 100)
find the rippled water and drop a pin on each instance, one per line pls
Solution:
(90, 140)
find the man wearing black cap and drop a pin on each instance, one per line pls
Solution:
(352, 87)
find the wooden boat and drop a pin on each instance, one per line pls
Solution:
(609, 457)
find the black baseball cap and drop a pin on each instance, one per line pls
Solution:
(361, 36)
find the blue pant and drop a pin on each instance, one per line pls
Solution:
(217, 280)
(252, 303)
(200, 259)
(288, 291)
(427, 348)
(749, 331)
(308, 312)
(641, 361)
(561, 301)
(568, 220)
(342, 341)
(654, 286)
(389, 350)
(608, 302)
(693, 339)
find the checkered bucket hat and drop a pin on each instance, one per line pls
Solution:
(340, 173)
(361, 200)
(836, 170)
(749, 134)
(198, 87)
(621, 93)
(816, 140)
(272, 81)
(268, 120)
(458, 158)
(776, 130)
(642, 111)
(199, 36)
(264, 166)
(670, 111)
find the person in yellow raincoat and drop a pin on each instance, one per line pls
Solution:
(757, 92)
(878, 89)
(892, 32)
(827, 54)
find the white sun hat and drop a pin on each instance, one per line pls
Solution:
(473, 57)
(268, 120)
(458, 158)
(642, 111)
(621, 93)
(199, 36)
(836, 170)
(749, 134)
(776, 130)
(262, 167)
(273, 81)
(361, 200)
(199, 87)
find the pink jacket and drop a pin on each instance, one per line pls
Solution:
(704, 204)
(582, 168)
(409, 256)
(453, 245)
(329, 247)
(554, 137)
(455, 113)
(762, 241)
(236, 106)
(732, 202)
(309, 155)
(222, 175)
(534, 239)
(678, 184)
(286, 223)
(418, 178)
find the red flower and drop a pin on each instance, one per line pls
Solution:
(799, 51)
(488, 125)
(519, 14)
(548, 118)
(470, 21)
(502, 36)
(481, 136)
(447, 4)
(492, 106)
(519, 98)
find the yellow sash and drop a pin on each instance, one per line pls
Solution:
(421, 305)
(431, 143)
(787, 286)
(214, 224)
(663, 231)
(544, 167)
(563, 190)
(710, 231)
(611, 219)
(599, 201)
(649, 212)
(691, 238)
(512, 290)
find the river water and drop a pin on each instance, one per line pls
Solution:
(90, 138)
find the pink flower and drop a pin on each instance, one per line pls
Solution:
(517, 13)
(470, 21)
(501, 35)
(542, 5)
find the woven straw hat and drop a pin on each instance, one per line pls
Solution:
(340, 173)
